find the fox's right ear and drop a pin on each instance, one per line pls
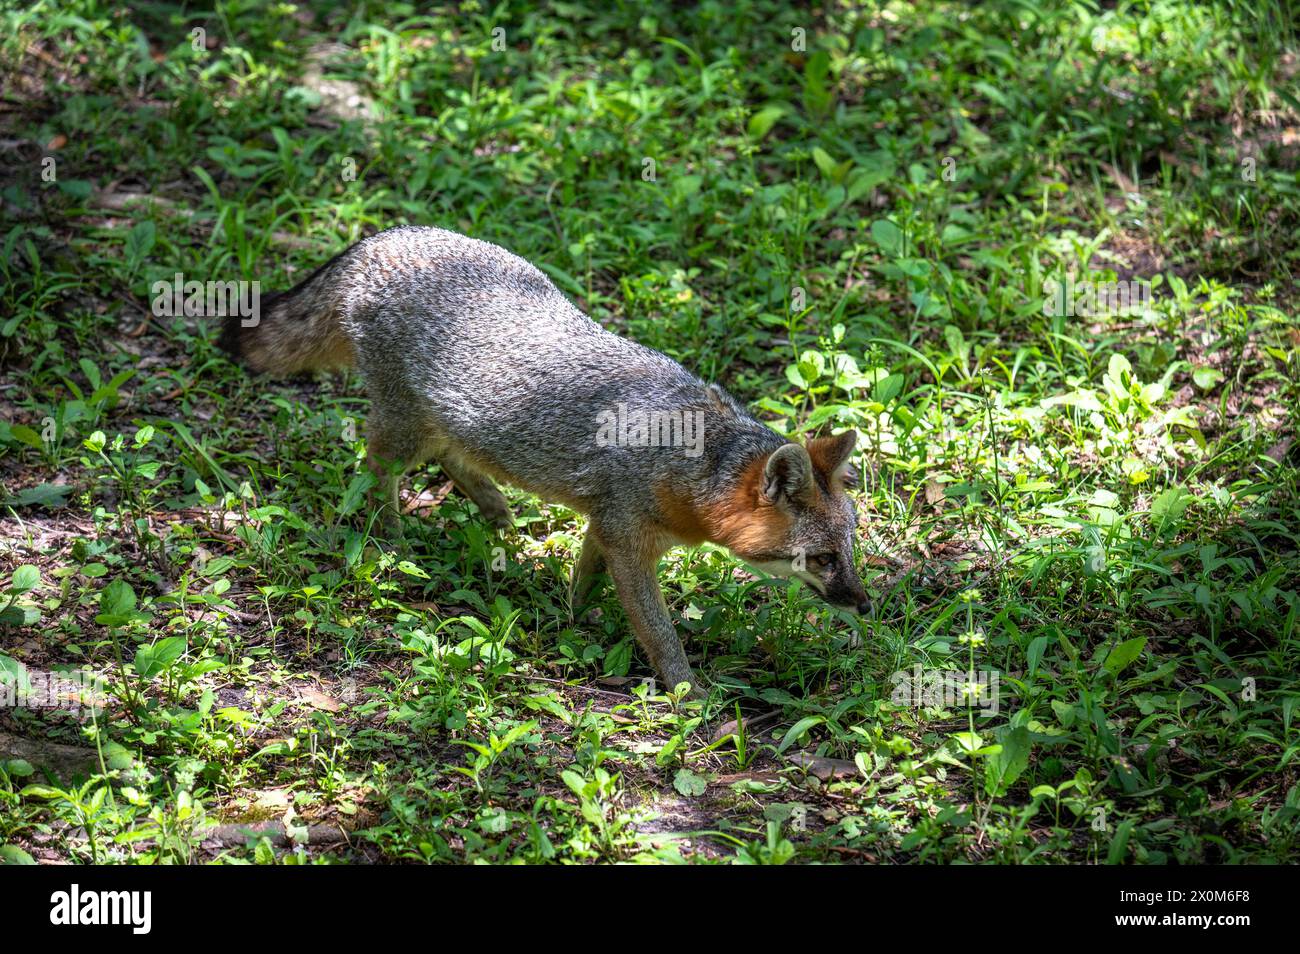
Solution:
(787, 476)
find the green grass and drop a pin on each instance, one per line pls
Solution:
(1102, 510)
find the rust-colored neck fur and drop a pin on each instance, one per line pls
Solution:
(740, 519)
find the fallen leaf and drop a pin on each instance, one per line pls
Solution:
(933, 493)
(318, 699)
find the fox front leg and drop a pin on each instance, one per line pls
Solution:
(643, 601)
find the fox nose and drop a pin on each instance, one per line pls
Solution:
(864, 607)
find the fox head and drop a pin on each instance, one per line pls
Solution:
(794, 519)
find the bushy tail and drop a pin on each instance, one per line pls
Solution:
(294, 331)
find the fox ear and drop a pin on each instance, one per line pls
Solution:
(831, 456)
(787, 476)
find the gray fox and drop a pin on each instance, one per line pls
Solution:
(472, 356)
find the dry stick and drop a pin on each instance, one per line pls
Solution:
(277, 834)
(560, 682)
(755, 723)
(64, 761)
(36, 51)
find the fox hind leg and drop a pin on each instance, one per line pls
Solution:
(391, 451)
(479, 488)
(591, 563)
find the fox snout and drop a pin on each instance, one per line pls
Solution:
(847, 592)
